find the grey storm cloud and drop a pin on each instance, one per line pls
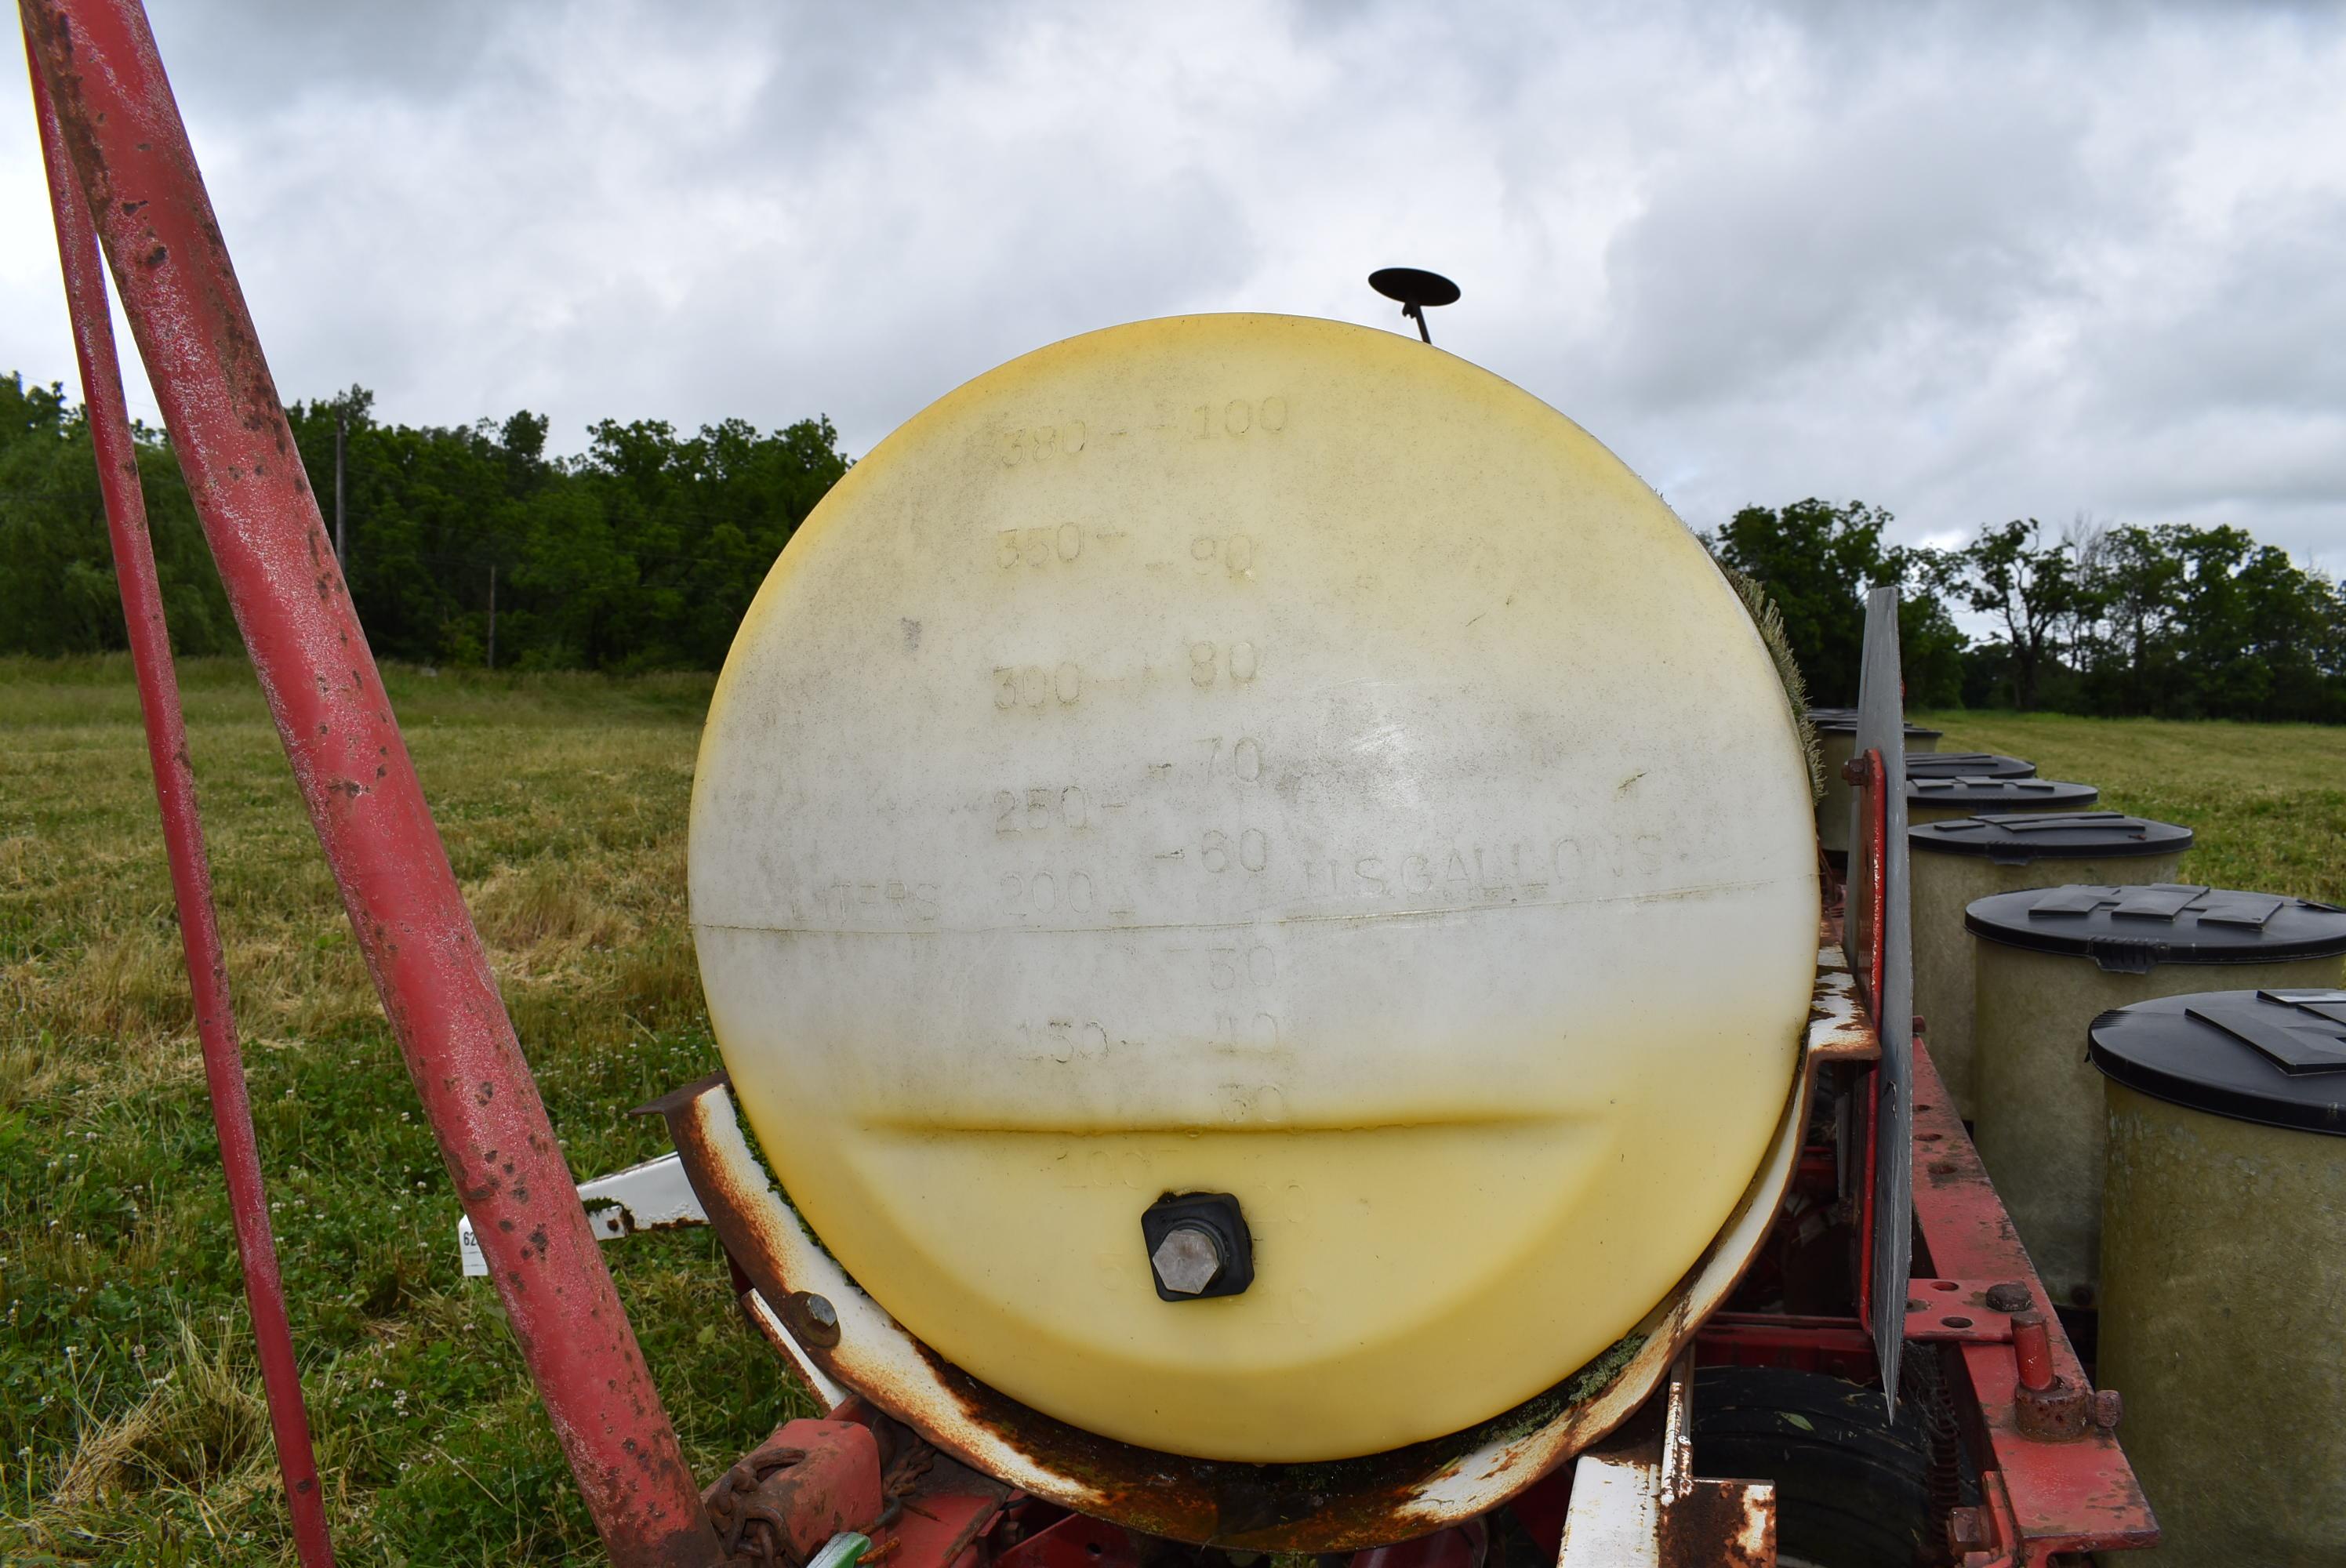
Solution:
(1965, 262)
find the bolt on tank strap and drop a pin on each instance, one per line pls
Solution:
(183, 833)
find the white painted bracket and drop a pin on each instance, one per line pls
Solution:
(653, 1196)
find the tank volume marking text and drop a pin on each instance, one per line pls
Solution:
(1042, 442)
(889, 898)
(1520, 872)
(1039, 810)
(1209, 663)
(1238, 417)
(1241, 758)
(1234, 551)
(1037, 687)
(1063, 545)
(1074, 892)
(1226, 966)
(1249, 850)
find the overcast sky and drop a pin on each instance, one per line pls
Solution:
(1967, 263)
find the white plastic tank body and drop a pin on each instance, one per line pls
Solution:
(1958, 861)
(1255, 756)
(2049, 962)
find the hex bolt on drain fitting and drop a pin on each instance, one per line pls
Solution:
(1198, 1245)
(1188, 1260)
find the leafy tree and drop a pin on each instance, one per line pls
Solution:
(1815, 560)
(1931, 646)
(57, 593)
(2032, 586)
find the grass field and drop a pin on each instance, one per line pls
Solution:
(130, 1425)
(2268, 802)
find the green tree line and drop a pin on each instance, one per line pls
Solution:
(2171, 621)
(640, 554)
(643, 551)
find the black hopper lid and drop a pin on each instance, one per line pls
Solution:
(2006, 795)
(2278, 1057)
(1843, 721)
(2015, 840)
(1967, 765)
(2130, 930)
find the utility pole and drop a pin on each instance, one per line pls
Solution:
(493, 614)
(341, 538)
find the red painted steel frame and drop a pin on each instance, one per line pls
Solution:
(138, 177)
(183, 833)
(2039, 1496)
(2073, 1495)
(1876, 893)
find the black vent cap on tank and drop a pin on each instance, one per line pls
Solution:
(1843, 721)
(2016, 839)
(2129, 930)
(1967, 765)
(2276, 1057)
(1999, 794)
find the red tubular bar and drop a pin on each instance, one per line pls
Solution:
(183, 833)
(1874, 829)
(138, 175)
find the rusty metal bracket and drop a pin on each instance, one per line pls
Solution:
(1955, 1309)
(807, 1483)
(1637, 1504)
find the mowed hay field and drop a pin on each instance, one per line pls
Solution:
(130, 1424)
(132, 1429)
(2268, 802)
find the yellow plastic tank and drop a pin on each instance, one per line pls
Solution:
(1273, 760)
